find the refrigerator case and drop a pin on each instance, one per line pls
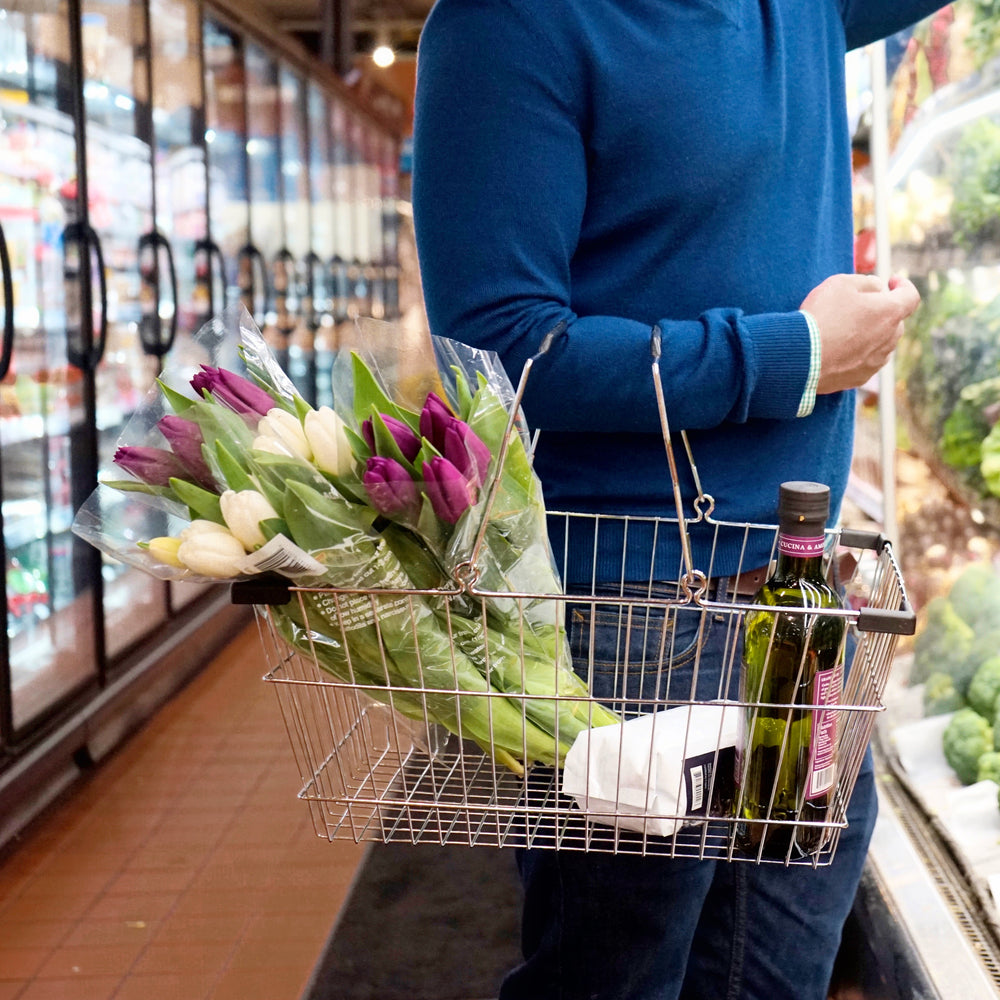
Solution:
(52, 643)
(225, 138)
(188, 269)
(120, 213)
(296, 323)
(943, 182)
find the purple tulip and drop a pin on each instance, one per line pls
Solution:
(402, 434)
(454, 439)
(232, 390)
(467, 452)
(391, 490)
(449, 492)
(153, 466)
(435, 418)
(185, 440)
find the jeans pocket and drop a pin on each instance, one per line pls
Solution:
(635, 656)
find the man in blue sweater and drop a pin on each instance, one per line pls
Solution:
(612, 165)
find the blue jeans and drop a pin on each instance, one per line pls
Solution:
(627, 927)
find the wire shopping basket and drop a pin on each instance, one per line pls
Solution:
(376, 766)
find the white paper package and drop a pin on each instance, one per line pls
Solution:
(654, 773)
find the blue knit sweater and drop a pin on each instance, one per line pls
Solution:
(615, 164)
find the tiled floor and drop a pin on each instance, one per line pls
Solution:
(184, 868)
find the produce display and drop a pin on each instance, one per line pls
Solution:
(956, 655)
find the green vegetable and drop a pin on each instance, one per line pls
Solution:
(989, 767)
(985, 687)
(966, 738)
(940, 696)
(989, 466)
(967, 427)
(975, 178)
(942, 645)
(975, 595)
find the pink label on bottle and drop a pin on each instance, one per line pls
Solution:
(823, 748)
(801, 548)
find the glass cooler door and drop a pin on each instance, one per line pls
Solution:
(45, 465)
(226, 141)
(120, 214)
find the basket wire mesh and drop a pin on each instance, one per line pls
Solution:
(373, 772)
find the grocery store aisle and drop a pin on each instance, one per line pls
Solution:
(183, 867)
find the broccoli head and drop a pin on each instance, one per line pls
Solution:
(940, 696)
(975, 596)
(988, 768)
(985, 687)
(942, 645)
(966, 738)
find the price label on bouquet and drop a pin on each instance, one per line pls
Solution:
(280, 555)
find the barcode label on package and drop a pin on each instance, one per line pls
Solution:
(280, 555)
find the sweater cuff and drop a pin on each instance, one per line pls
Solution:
(808, 400)
(783, 355)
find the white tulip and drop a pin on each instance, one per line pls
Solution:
(269, 444)
(213, 553)
(200, 526)
(243, 511)
(331, 450)
(285, 428)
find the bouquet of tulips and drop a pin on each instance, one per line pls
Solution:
(239, 476)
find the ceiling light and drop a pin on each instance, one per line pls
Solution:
(383, 56)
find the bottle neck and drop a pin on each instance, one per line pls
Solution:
(800, 554)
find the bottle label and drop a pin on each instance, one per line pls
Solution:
(801, 548)
(823, 745)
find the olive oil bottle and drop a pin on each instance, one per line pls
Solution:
(786, 754)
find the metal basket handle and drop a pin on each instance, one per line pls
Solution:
(694, 580)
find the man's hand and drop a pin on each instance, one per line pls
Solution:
(860, 320)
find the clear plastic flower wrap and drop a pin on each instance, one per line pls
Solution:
(410, 483)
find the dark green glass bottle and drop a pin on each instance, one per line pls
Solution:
(786, 763)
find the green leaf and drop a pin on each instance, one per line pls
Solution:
(271, 527)
(201, 502)
(385, 443)
(358, 444)
(219, 423)
(463, 392)
(177, 400)
(369, 397)
(135, 486)
(301, 407)
(236, 477)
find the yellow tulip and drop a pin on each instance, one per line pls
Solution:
(164, 550)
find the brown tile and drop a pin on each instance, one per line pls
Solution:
(72, 988)
(19, 933)
(139, 906)
(77, 882)
(110, 932)
(202, 958)
(150, 880)
(272, 953)
(217, 902)
(170, 986)
(50, 906)
(10, 989)
(90, 960)
(261, 984)
(180, 929)
(22, 963)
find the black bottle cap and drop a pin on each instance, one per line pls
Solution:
(803, 503)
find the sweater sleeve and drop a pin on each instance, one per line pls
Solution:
(865, 21)
(500, 187)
